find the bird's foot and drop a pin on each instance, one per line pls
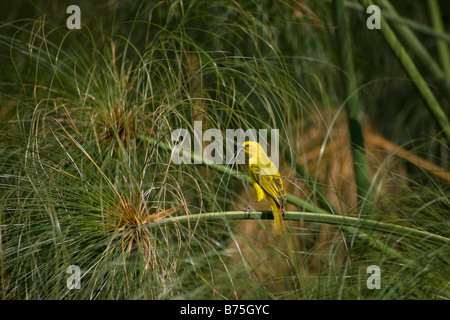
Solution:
(248, 209)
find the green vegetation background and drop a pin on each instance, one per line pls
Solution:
(86, 176)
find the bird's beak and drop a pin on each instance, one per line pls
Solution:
(238, 148)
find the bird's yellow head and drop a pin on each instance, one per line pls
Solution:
(251, 147)
(256, 154)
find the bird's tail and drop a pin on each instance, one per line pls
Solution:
(277, 216)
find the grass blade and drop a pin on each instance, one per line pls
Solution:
(436, 21)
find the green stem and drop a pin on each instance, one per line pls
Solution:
(443, 51)
(415, 75)
(415, 25)
(333, 219)
(416, 46)
(360, 166)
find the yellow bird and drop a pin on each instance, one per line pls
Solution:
(266, 181)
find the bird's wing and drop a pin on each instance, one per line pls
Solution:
(260, 194)
(271, 183)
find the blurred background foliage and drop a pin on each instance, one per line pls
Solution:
(86, 119)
